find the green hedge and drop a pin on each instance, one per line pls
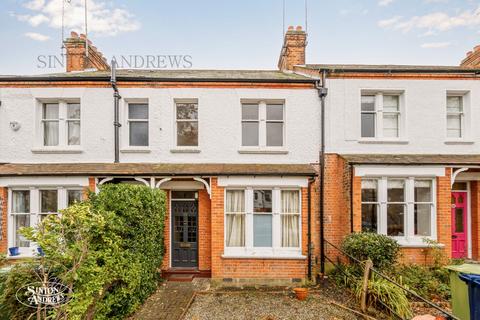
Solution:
(381, 249)
(108, 249)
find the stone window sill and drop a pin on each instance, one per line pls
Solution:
(383, 141)
(265, 257)
(262, 151)
(186, 150)
(459, 142)
(135, 150)
(57, 150)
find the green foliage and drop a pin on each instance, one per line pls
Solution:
(382, 250)
(107, 249)
(388, 293)
(428, 282)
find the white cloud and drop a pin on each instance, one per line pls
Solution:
(36, 36)
(389, 22)
(384, 3)
(435, 45)
(103, 17)
(435, 1)
(437, 21)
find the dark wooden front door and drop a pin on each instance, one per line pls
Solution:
(184, 233)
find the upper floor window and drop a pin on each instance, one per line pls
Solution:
(399, 207)
(187, 124)
(380, 115)
(138, 124)
(61, 124)
(455, 117)
(262, 124)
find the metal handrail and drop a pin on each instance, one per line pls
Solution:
(430, 303)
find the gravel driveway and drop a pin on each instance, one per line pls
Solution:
(264, 306)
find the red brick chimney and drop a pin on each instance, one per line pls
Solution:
(77, 59)
(293, 50)
(473, 59)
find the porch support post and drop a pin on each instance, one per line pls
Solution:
(207, 185)
(455, 174)
(159, 183)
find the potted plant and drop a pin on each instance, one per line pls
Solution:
(13, 251)
(301, 293)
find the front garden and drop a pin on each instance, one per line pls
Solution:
(105, 251)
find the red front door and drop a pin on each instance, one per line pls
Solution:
(459, 225)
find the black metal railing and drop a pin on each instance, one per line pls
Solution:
(409, 292)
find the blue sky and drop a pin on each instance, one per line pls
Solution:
(245, 34)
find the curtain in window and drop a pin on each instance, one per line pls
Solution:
(235, 218)
(21, 201)
(73, 133)
(290, 218)
(21, 220)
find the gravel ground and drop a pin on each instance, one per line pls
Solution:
(256, 304)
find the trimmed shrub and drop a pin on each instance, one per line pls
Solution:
(382, 250)
(108, 250)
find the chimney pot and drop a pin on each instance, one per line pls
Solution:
(83, 36)
(290, 28)
(73, 34)
(476, 48)
(299, 28)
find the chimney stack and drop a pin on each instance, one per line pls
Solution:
(472, 59)
(77, 59)
(293, 50)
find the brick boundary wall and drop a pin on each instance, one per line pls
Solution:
(475, 215)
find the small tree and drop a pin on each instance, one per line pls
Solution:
(107, 250)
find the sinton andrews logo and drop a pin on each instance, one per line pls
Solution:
(43, 294)
(125, 62)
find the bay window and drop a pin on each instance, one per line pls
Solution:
(262, 222)
(29, 206)
(403, 208)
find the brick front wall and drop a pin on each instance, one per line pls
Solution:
(251, 268)
(3, 220)
(444, 234)
(475, 214)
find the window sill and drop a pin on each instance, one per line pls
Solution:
(417, 244)
(186, 150)
(57, 150)
(135, 150)
(23, 256)
(383, 141)
(264, 257)
(262, 151)
(459, 141)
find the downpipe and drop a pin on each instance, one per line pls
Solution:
(116, 122)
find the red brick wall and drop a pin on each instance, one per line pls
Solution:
(475, 214)
(166, 232)
(4, 216)
(251, 268)
(204, 231)
(337, 220)
(417, 255)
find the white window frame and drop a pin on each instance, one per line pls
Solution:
(380, 113)
(35, 208)
(410, 239)
(62, 123)
(375, 203)
(176, 121)
(276, 251)
(130, 120)
(262, 124)
(460, 114)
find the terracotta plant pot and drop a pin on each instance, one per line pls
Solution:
(301, 293)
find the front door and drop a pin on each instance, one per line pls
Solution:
(459, 225)
(184, 230)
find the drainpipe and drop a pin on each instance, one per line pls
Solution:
(309, 232)
(116, 101)
(322, 93)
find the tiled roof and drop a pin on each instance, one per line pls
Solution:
(411, 159)
(389, 68)
(159, 169)
(169, 75)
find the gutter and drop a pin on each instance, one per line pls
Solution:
(322, 93)
(405, 70)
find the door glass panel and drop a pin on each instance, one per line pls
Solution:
(453, 200)
(459, 220)
(459, 186)
(179, 229)
(460, 198)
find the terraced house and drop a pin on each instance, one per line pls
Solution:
(259, 166)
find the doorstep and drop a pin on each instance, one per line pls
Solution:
(185, 274)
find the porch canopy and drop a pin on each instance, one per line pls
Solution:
(154, 169)
(414, 159)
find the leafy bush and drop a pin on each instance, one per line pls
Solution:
(382, 250)
(430, 283)
(108, 250)
(388, 293)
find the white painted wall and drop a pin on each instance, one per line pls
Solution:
(219, 125)
(425, 117)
